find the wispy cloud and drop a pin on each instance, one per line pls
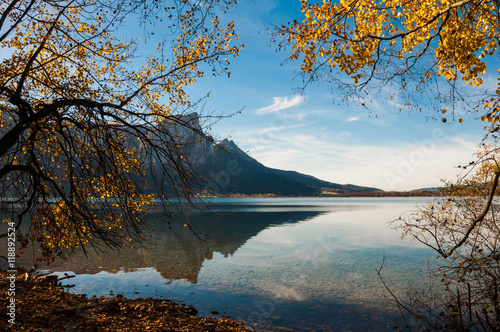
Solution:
(396, 166)
(352, 118)
(281, 103)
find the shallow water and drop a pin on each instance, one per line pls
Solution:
(296, 264)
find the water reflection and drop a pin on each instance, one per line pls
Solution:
(175, 251)
(294, 264)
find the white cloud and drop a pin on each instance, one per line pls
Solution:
(396, 166)
(390, 151)
(281, 103)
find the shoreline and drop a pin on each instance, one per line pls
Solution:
(38, 303)
(415, 193)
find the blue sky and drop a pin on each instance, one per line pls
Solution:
(312, 133)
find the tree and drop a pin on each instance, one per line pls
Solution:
(361, 45)
(463, 227)
(428, 54)
(85, 119)
(420, 50)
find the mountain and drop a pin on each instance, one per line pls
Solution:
(229, 170)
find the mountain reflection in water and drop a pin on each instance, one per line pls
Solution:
(292, 264)
(177, 252)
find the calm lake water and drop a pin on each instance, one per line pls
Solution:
(278, 264)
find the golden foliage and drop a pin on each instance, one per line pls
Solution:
(415, 44)
(354, 34)
(73, 98)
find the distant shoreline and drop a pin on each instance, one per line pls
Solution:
(413, 193)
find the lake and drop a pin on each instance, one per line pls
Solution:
(277, 264)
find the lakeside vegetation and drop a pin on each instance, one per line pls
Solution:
(328, 193)
(412, 193)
